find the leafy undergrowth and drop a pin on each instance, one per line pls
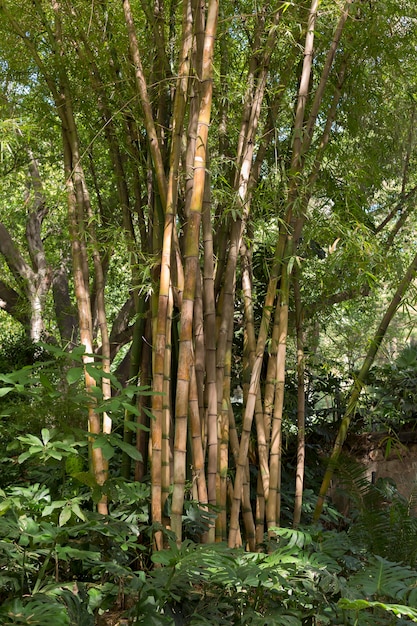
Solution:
(73, 569)
(62, 564)
(305, 578)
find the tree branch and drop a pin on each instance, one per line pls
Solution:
(16, 263)
(13, 303)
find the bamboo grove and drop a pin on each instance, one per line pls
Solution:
(176, 123)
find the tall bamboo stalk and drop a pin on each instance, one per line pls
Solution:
(223, 450)
(211, 399)
(360, 381)
(299, 472)
(248, 520)
(146, 104)
(295, 169)
(198, 474)
(191, 250)
(273, 505)
(318, 95)
(167, 418)
(259, 65)
(251, 350)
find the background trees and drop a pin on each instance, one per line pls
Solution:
(208, 187)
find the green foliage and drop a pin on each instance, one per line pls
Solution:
(39, 611)
(51, 446)
(58, 555)
(54, 390)
(62, 563)
(306, 578)
(17, 351)
(392, 391)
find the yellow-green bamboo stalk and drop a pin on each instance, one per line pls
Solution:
(299, 472)
(248, 520)
(210, 401)
(244, 185)
(303, 90)
(167, 422)
(318, 95)
(146, 104)
(251, 113)
(230, 497)
(85, 53)
(78, 205)
(199, 478)
(198, 13)
(253, 388)
(142, 437)
(360, 381)
(253, 67)
(191, 249)
(199, 344)
(260, 512)
(161, 358)
(98, 462)
(249, 340)
(274, 500)
(223, 447)
(250, 119)
(270, 381)
(250, 350)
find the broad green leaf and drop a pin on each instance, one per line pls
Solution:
(85, 478)
(78, 512)
(23, 457)
(65, 515)
(105, 445)
(398, 609)
(130, 450)
(134, 426)
(31, 440)
(131, 408)
(74, 374)
(148, 412)
(108, 451)
(46, 435)
(50, 508)
(95, 373)
(77, 353)
(4, 506)
(55, 454)
(46, 382)
(162, 558)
